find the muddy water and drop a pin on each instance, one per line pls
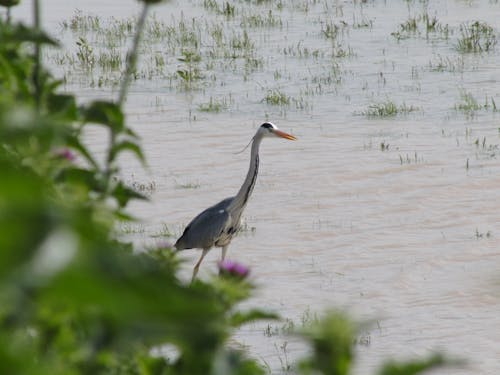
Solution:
(405, 235)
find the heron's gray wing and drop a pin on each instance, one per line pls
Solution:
(204, 230)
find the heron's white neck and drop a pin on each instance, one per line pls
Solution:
(241, 199)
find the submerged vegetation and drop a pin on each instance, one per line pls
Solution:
(469, 105)
(476, 37)
(422, 25)
(388, 109)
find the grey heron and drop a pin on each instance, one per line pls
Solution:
(217, 225)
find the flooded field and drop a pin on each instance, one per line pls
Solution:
(387, 206)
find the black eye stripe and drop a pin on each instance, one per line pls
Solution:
(267, 125)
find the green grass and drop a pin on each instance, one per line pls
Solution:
(226, 9)
(469, 105)
(331, 30)
(82, 22)
(277, 97)
(335, 34)
(301, 50)
(421, 25)
(85, 54)
(266, 20)
(132, 228)
(388, 109)
(110, 60)
(410, 25)
(188, 185)
(146, 188)
(241, 42)
(411, 159)
(164, 232)
(214, 105)
(476, 37)
(446, 64)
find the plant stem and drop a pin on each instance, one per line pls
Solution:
(37, 56)
(129, 70)
(132, 55)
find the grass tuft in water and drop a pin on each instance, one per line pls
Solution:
(226, 9)
(85, 54)
(476, 37)
(188, 185)
(388, 109)
(190, 71)
(214, 105)
(410, 159)
(469, 105)
(268, 19)
(446, 64)
(276, 97)
(82, 22)
(421, 25)
(479, 235)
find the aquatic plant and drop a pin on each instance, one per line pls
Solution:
(476, 37)
(387, 109)
(277, 97)
(469, 105)
(214, 105)
(421, 25)
(269, 19)
(447, 64)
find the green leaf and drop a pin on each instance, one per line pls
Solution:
(235, 362)
(9, 3)
(332, 340)
(21, 33)
(105, 113)
(81, 176)
(75, 143)
(64, 105)
(130, 133)
(124, 146)
(239, 318)
(415, 366)
(124, 194)
(184, 74)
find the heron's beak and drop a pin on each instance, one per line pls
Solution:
(282, 134)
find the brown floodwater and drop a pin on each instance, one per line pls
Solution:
(404, 235)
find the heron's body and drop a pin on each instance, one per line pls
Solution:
(217, 225)
(213, 227)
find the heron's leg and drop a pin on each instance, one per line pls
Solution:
(197, 266)
(223, 254)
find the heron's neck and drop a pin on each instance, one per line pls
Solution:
(240, 200)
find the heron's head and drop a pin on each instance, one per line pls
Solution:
(268, 129)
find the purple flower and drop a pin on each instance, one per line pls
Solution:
(66, 154)
(230, 268)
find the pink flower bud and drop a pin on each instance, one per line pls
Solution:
(227, 267)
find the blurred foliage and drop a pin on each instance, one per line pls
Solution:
(74, 299)
(9, 3)
(332, 343)
(414, 367)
